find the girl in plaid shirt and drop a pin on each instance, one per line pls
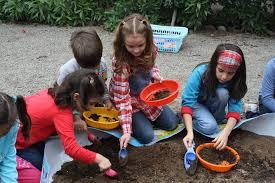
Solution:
(134, 68)
(210, 89)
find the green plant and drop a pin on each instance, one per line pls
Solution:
(38, 10)
(249, 16)
(194, 12)
(113, 16)
(14, 10)
(2, 3)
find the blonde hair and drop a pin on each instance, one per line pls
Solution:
(133, 24)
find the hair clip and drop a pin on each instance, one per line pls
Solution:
(14, 98)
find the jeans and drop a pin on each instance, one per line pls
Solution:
(143, 129)
(33, 154)
(207, 116)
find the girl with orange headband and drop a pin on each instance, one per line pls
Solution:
(211, 88)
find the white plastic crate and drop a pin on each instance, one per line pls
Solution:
(169, 38)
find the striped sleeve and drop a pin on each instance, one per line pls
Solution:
(119, 86)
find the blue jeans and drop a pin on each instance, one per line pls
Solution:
(143, 129)
(33, 154)
(207, 116)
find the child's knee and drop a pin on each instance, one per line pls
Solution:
(145, 137)
(27, 173)
(208, 128)
(211, 128)
(171, 124)
(222, 94)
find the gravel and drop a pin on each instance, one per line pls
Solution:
(30, 56)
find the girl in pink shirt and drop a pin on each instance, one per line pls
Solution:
(51, 113)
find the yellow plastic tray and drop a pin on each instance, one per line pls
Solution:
(101, 123)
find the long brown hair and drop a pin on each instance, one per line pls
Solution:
(238, 88)
(11, 108)
(83, 81)
(133, 24)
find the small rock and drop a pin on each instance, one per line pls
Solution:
(212, 35)
(209, 28)
(245, 173)
(270, 33)
(221, 28)
(23, 30)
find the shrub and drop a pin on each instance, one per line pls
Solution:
(249, 15)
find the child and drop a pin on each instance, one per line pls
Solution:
(51, 112)
(267, 95)
(10, 110)
(210, 88)
(87, 49)
(134, 68)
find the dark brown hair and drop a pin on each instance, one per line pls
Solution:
(83, 81)
(133, 24)
(11, 108)
(87, 48)
(238, 87)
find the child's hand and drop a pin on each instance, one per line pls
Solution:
(159, 79)
(221, 141)
(80, 125)
(102, 162)
(108, 104)
(124, 140)
(188, 140)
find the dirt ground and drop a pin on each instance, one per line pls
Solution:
(163, 163)
(30, 56)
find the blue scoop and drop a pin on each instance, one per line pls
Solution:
(190, 161)
(123, 156)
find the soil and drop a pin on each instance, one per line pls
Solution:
(162, 162)
(223, 157)
(161, 94)
(94, 117)
(97, 117)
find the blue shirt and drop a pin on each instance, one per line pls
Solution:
(268, 86)
(8, 172)
(194, 91)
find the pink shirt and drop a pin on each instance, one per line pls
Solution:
(48, 119)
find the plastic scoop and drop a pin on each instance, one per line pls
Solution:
(92, 138)
(190, 161)
(123, 156)
(111, 173)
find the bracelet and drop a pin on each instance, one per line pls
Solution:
(76, 113)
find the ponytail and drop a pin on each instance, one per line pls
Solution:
(23, 116)
(10, 108)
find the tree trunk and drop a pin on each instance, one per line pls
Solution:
(174, 17)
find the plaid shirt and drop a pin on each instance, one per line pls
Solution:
(126, 103)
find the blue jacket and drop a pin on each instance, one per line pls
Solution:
(194, 92)
(8, 172)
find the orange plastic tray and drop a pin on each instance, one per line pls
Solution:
(224, 167)
(148, 92)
